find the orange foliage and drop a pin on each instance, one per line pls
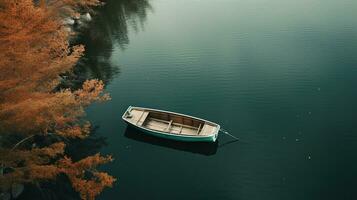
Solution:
(34, 48)
(36, 165)
(34, 52)
(29, 165)
(88, 189)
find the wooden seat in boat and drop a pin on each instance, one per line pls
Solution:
(169, 126)
(142, 118)
(198, 130)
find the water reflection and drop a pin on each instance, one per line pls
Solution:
(109, 28)
(80, 148)
(203, 148)
(61, 188)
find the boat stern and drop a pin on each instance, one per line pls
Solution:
(126, 113)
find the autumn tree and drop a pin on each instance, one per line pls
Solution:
(34, 52)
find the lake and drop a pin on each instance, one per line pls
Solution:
(281, 75)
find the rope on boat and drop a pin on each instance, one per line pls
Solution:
(226, 132)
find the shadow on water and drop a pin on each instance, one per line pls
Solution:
(108, 30)
(203, 148)
(227, 143)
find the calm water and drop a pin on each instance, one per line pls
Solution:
(280, 74)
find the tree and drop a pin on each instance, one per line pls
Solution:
(34, 52)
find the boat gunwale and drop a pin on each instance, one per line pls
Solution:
(171, 134)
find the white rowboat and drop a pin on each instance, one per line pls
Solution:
(171, 125)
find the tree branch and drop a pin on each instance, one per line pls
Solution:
(22, 141)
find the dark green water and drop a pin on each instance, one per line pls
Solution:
(280, 74)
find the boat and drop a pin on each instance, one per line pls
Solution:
(171, 125)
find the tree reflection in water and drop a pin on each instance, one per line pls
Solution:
(109, 29)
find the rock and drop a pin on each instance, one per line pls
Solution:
(68, 29)
(76, 16)
(79, 22)
(86, 17)
(68, 21)
(16, 190)
(5, 196)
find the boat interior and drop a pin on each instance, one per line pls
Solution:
(169, 122)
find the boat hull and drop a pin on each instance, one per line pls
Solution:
(211, 138)
(137, 123)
